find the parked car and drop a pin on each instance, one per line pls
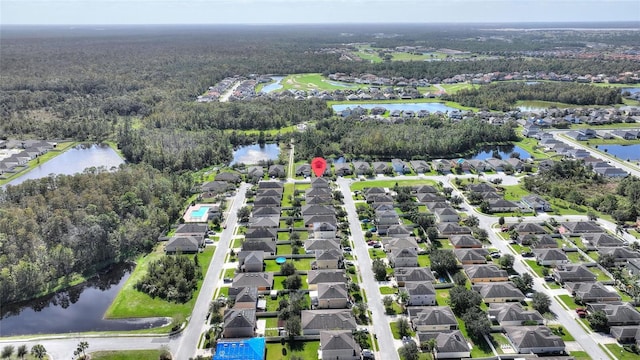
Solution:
(377, 245)
(346, 248)
(581, 312)
(371, 242)
(527, 254)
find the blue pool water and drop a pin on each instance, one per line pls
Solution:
(200, 212)
(281, 260)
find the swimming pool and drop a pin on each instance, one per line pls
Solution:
(202, 211)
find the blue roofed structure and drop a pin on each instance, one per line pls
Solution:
(241, 349)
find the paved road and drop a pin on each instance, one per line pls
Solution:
(380, 321)
(610, 159)
(183, 345)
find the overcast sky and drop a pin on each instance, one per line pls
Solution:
(312, 11)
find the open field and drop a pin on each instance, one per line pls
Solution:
(314, 81)
(304, 350)
(130, 303)
(388, 183)
(126, 355)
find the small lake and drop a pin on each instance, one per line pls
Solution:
(632, 90)
(77, 309)
(623, 152)
(253, 154)
(429, 106)
(74, 161)
(275, 85)
(503, 150)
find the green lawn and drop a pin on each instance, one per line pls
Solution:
(478, 350)
(283, 250)
(567, 300)
(303, 349)
(535, 267)
(387, 290)
(313, 81)
(130, 303)
(514, 192)
(454, 88)
(442, 297)
(395, 332)
(359, 185)
(575, 257)
(277, 282)
(127, 355)
(600, 275)
(271, 322)
(580, 355)
(229, 273)
(562, 332)
(424, 260)
(531, 146)
(621, 353)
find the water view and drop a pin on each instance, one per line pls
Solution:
(253, 154)
(429, 106)
(77, 309)
(632, 90)
(624, 152)
(74, 161)
(275, 85)
(504, 151)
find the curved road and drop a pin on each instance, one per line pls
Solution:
(183, 345)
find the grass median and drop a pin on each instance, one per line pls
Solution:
(131, 303)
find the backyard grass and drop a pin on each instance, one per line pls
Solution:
(442, 297)
(359, 185)
(600, 275)
(278, 280)
(287, 194)
(562, 332)
(575, 257)
(499, 339)
(479, 349)
(424, 260)
(272, 322)
(302, 349)
(131, 303)
(126, 355)
(283, 250)
(514, 192)
(531, 146)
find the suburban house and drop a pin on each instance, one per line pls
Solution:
(327, 259)
(267, 246)
(261, 281)
(239, 323)
(502, 205)
(499, 292)
(251, 261)
(573, 273)
(230, 177)
(465, 242)
(246, 298)
(343, 169)
(432, 318)
(277, 171)
(182, 244)
(315, 277)
(579, 227)
(195, 230)
(324, 230)
(446, 214)
(255, 173)
(403, 257)
(261, 233)
(330, 296)
(485, 273)
(526, 228)
(448, 229)
(594, 241)
(315, 321)
(620, 254)
(420, 294)
(471, 256)
(303, 170)
(543, 242)
(591, 292)
(513, 314)
(339, 345)
(420, 166)
(381, 167)
(321, 244)
(413, 274)
(399, 231)
(400, 166)
(550, 257)
(534, 340)
(449, 344)
(399, 243)
(618, 313)
(362, 168)
(626, 334)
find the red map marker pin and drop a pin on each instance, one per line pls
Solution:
(318, 165)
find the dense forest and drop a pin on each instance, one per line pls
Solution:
(503, 95)
(413, 139)
(55, 227)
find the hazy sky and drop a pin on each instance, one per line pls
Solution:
(312, 11)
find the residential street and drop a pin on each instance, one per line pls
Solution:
(380, 321)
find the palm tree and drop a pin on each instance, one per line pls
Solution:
(39, 351)
(82, 346)
(403, 296)
(22, 351)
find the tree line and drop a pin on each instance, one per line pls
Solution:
(504, 95)
(55, 227)
(413, 139)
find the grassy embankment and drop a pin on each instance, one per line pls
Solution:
(130, 303)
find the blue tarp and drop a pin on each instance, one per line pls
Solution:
(245, 349)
